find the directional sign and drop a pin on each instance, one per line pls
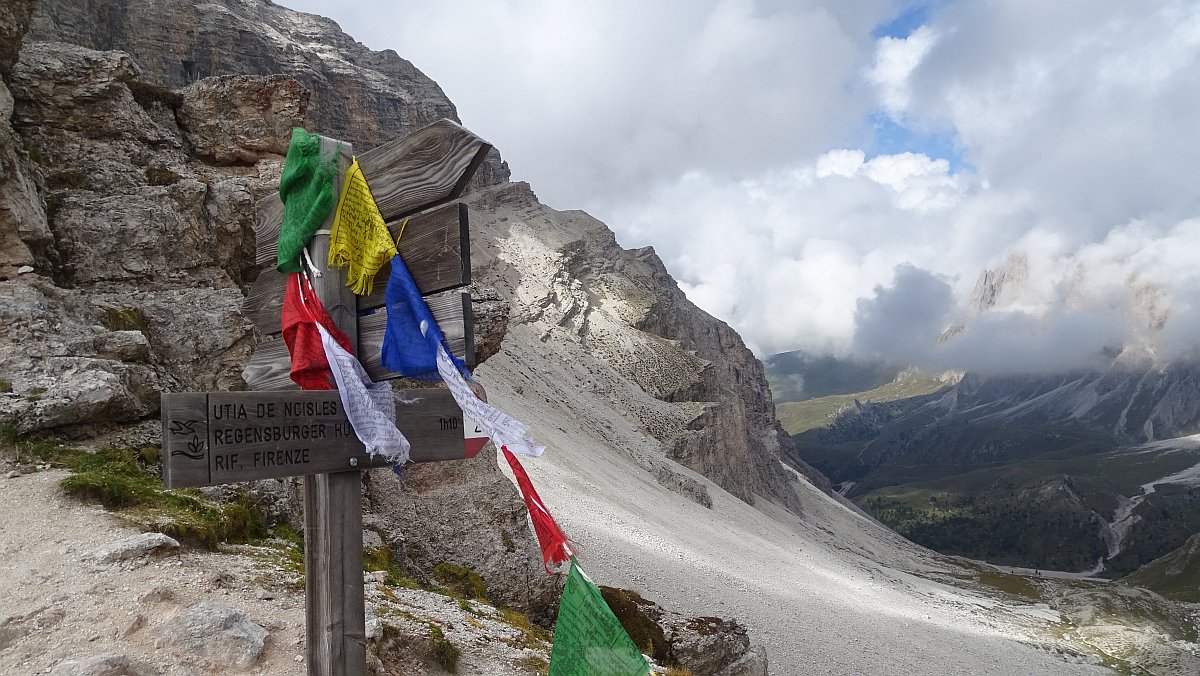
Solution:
(224, 437)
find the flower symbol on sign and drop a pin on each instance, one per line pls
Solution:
(195, 447)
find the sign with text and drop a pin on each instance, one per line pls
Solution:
(224, 437)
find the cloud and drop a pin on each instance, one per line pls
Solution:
(903, 321)
(597, 103)
(895, 61)
(730, 134)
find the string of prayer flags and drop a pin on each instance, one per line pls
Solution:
(302, 314)
(359, 238)
(503, 429)
(411, 336)
(550, 537)
(370, 406)
(588, 637)
(306, 188)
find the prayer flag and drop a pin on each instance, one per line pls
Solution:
(359, 238)
(306, 188)
(302, 313)
(370, 406)
(503, 429)
(550, 537)
(411, 336)
(588, 638)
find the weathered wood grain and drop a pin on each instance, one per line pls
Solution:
(334, 605)
(268, 221)
(431, 166)
(335, 620)
(427, 168)
(270, 364)
(226, 437)
(434, 247)
(185, 441)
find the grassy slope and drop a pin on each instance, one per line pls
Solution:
(799, 416)
(1176, 575)
(796, 376)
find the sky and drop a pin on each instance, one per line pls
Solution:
(835, 176)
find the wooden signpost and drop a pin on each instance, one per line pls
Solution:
(277, 430)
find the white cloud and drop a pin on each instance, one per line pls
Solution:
(895, 61)
(730, 134)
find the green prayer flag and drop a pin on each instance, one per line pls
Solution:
(306, 188)
(588, 639)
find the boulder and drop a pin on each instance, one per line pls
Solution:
(702, 646)
(242, 118)
(221, 634)
(135, 547)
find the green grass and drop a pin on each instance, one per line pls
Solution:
(1175, 576)
(460, 581)
(1015, 585)
(801, 416)
(124, 480)
(394, 574)
(445, 653)
(534, 635)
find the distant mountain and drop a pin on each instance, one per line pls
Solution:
(1059, 471)
(799, 375)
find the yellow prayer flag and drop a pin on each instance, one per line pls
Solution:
(359, 237)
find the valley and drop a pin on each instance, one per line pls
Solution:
(1039, 472)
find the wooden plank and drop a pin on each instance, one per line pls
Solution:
(435, 248)
(430, 166)
(185, 441)
(335, 612)
(226, 437)
(427, 168)
(268, 220)
(270, 364)
(450, 309)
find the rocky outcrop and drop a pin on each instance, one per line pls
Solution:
(463, 513)
(703, 646)
(23, 229)
(357, 95)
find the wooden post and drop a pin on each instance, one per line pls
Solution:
(335, 615)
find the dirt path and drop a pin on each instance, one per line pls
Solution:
(59, 605)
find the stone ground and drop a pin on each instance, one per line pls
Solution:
(82, 593)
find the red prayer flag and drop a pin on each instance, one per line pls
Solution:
(301, 312)
(550, 537)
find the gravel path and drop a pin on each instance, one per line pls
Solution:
(56, 604)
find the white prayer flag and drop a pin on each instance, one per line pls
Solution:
(370, 406)
(502, 428)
